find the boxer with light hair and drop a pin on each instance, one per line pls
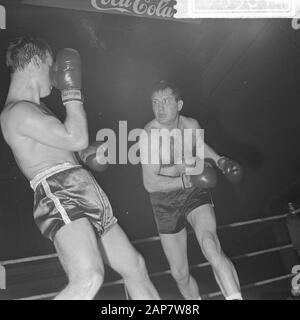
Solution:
(70, 208)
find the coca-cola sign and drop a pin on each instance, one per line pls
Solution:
(151, 8)
(190, 10)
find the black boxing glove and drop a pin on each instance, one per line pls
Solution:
(66, 75)
(231, 169)
(94, 156)
(207, 179)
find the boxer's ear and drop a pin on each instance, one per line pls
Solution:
(179, 105)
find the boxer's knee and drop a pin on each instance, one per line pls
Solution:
(87, 282)
(139, 266)
(136, 268)
(180, 273)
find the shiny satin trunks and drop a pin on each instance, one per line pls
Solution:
(67, 192)
(172, 208)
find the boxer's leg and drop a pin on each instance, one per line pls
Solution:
(175, 248)
(118, 252)
(203, 221)
(78, 252)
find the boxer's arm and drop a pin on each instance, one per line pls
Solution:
(76, 124)
(209, 153)
(153, 179)
(155, 182)
(230, 168)
(46, 129)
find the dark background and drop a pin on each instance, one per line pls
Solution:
(240, 79)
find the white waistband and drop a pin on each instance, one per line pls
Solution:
(49, 172)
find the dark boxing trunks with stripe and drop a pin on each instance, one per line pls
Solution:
(68, 192)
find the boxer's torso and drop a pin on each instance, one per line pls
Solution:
(31, 156)
(174, 165)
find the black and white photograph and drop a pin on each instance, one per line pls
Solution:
(150, 150)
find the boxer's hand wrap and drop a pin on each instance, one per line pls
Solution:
(186, 181)
(221, 163)
(71, 95)
(196, 168)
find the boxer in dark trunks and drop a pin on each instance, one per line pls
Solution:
(65, 193)
(179, 192)
(70, 208)
(172, 208)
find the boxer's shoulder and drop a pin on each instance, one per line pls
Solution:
(12, 108)
(17, 112)
(189, 123)
(151, 125)
(19, 106)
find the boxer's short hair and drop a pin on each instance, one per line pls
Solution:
(163, 85)
(21, 50)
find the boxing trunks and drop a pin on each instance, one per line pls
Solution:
(172, 208)
(68, 192)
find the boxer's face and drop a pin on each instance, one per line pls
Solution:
(165, 106)
(44, 76)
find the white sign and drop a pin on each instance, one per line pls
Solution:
(2, 17)
(237, 9)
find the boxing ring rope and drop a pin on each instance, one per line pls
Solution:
(205, 296)
(196, 266)
(156, 274)
(156, 238)
(251, 285)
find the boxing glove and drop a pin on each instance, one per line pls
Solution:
(66, 75)
(231, 169)
(95, 156)
(205, 180)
